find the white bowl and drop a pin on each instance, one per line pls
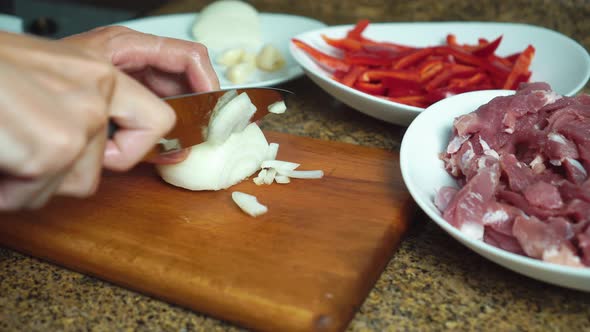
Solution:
(277, 29)
(559, 60)
(423, 173)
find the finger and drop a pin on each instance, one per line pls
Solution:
(42, 196)
(17, 193)
(171, 158)
(161, 83)
(82, 179)
(166, 84)
(143, 119)
(134, 51)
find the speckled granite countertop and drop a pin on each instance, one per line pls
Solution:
(431, 283)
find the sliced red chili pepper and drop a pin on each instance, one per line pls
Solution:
(400, 88)
(442, 93)
(482, 49)
(469, 82)
(324, 59)
(382, 50)
(521, 67)
(500, 61)
(345, 44)
(412, 58)
(485, 50)
(512, 57)
(482, 41)
(429, 69)
(462, 57)
(352, 75)
(420, 76)
(338, 75)
(417, 101)
(378, 75)
(451, 71)
(370, 88)
(452, 40)
(367, 59)
(357, 31)
(387, 45)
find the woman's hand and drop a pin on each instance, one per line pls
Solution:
(166, 66)
(56, 98)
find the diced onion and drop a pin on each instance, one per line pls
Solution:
(273, 150)
(169, 144)
(270, 176)
(233, 115)
(248, 203)
(279, 165)
(258, 181)
(316, 174)
(278, 107)
(282, 179)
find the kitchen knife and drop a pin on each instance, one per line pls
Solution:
(193, 112)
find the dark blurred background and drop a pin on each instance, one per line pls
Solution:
(58, 18)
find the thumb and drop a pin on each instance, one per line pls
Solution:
(142, 118)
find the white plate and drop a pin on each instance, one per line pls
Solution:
(559, 60)
(277, 29)
(423, 174)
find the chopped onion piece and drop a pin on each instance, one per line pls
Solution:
(248, 203)
(279, 165)
(273, 150)
(223, 100)
(278, 107)
(317, 174)
(170, 144)
(258, 181)
(270, 176)
(282, 179)
(262, 173)
(230, 117)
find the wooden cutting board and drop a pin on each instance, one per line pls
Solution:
(306, 265)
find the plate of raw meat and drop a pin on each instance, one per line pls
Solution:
(507, 174)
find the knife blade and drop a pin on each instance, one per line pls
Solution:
(193, 112)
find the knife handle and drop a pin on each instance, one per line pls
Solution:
(112, 129)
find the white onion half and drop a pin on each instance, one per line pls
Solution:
(212, 166)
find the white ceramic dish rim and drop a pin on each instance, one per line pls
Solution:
(437, 218)
(294, 72)
(321, 73)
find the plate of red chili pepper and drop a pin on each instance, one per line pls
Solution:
(393, 71)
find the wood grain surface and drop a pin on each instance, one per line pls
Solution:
(306, 265)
